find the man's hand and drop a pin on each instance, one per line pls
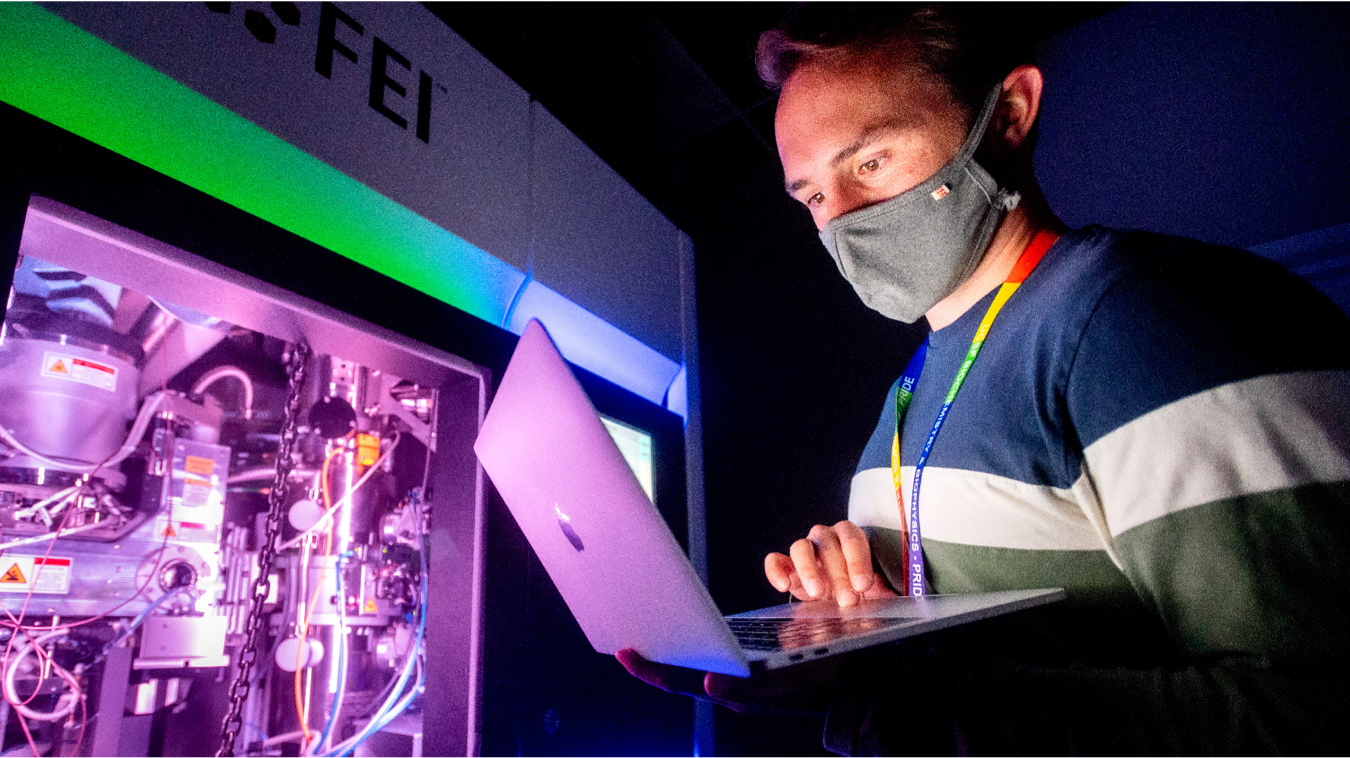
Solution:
(805, 687)
(832, 562)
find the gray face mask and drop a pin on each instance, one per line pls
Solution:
(905, 254)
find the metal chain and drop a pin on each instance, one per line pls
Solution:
(276, 499)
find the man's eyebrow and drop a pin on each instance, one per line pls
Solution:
(869, 135)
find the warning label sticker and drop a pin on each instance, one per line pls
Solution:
(198, 465)
(64, 366)
(196, 492)
(184, 530)
(33, 573)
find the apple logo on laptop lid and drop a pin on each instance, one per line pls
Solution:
(567, 530)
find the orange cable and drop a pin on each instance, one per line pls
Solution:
(301, 701)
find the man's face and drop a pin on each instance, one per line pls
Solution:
(853, 136)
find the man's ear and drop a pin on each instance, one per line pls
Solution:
(1017, 108)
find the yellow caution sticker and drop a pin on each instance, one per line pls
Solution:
(40, 575)
(185, 531)
(370, 606)
(82, 370)
(13, 575)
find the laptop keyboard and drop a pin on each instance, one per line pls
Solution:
(771, 635)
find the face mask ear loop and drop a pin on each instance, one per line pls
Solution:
(977, 129)
(1005, 201)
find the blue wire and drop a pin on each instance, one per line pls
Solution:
(381, 719)
(342, 659)
(136, 622)
(389, 719)
(257, 729)
(386, 719)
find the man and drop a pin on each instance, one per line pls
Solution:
(1156, 425)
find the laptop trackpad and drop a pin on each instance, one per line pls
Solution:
(885, 607)
(774, 634)
(819, 622)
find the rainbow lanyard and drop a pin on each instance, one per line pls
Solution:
(905, 393)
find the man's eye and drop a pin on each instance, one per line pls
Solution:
(870, 166)
(816, 199)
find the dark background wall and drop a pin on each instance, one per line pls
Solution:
(1217, 121)
(1223, 122)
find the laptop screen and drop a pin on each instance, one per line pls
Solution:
(636, 446)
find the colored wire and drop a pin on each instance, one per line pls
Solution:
(224, 372)
(387, 714)
(43, 513)
(50, 536)
(65, 704)
(145, 614)
(302, 700)
(84, 722)
(394, 705)
(343, 501)
(295, 736)
(16, 624)
(102, 614)
(72, 490)
(302, 655)
(256, 728)
(325, 739)
(128, 447)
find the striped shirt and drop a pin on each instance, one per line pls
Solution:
(1162, 428)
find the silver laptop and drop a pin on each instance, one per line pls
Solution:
(619, 568)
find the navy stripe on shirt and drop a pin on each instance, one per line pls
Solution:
(1110, 326)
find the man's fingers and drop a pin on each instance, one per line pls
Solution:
(727, 691)
(807, 568)
(669, 678)
(640, 667)
(857, 553)
(832, 561)
(778, 568)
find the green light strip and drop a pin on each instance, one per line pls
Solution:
(66, 76)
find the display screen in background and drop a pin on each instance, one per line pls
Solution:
(636, 446)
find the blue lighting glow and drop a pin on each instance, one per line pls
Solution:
(595, 344)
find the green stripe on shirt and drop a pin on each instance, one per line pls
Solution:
(1264, 574)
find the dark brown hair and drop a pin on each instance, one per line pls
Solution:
(970, 46)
